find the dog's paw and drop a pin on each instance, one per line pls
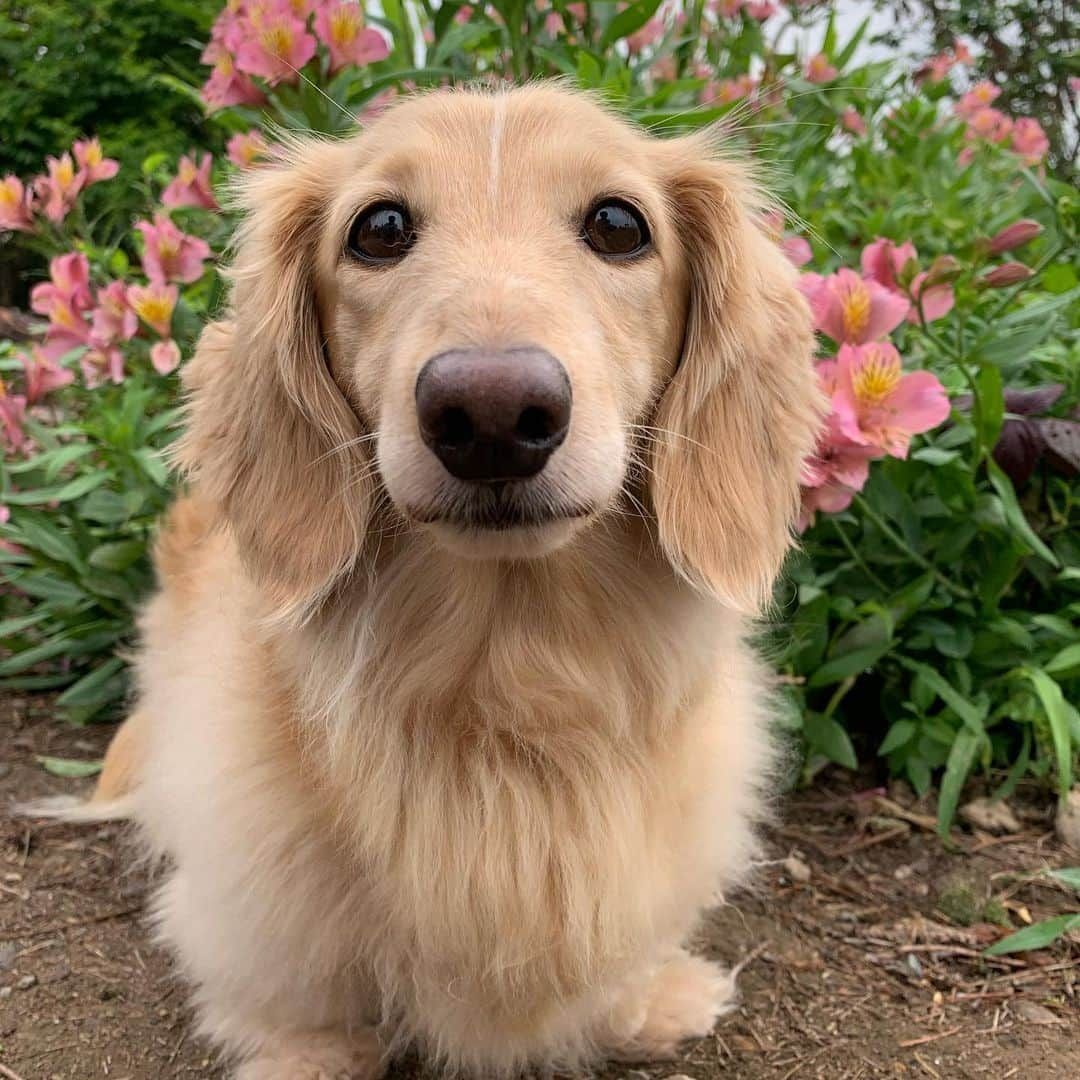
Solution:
(683, 1000)
(316, 1056)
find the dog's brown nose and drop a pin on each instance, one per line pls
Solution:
(493, 415)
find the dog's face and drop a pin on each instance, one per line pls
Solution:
(486, 306)
(503, 294)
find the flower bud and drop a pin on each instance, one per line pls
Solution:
(1009, 273)
(944, 268)
(1013, 236)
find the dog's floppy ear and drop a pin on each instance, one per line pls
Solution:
(743, 408)
(271, 440)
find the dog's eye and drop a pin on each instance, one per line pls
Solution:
(615, 229)
(382, 233)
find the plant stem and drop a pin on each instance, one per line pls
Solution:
(839, 694)
(853, 552)
(902, 545)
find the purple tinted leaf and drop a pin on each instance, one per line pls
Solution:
(1061, 439)
(1034, 401)
(1018, 450)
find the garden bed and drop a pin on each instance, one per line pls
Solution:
(853, 972)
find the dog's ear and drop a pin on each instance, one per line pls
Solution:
(271, 440)
(743, 408)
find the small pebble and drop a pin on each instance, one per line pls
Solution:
(5, 768)
(26, 982)
(5, 992)
(797, 869)
(913, 963)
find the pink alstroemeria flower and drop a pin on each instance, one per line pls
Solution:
(727, 90)
(246, 147)
(340, 26)
(12, 414)
(852, 309)
(877, 404)
(277, 46)
(43, 374)
(192, 185)
(990, 124)
(165, 356)
(58, 190)
(99, 365)
(761, 11)
(796, 248)
(819, 70)
(883, 260)
(934, 300)
(113, 319)
(171, 255)
(227, 86)
(851, 121)
(1029, 140)
(649, 34)
(727, 8)
(154, 304)
(15, 205)
(62, 300)
(980, 96)
(94, 166)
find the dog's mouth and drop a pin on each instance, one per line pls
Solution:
(498, 507)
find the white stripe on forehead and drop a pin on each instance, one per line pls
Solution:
(497, 124)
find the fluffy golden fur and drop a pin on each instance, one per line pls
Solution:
(428, 785)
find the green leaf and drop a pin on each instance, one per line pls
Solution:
(991, 403)
(94, 688)
(73, 489)
(1055, 707)
(633, 17)
(117, 555)
(1065, 663)
(825, 735)
(898, 735)
(1014, 515)
(933, 455)
(957, 768)
(972, 716)
(858, 649)
(59, 766)
(1034, 937)
(1070, 875)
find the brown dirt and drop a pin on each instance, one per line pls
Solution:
(854, 973)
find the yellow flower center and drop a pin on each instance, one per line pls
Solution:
(62, 315)
(277, 39)
(168, 248)
(8, 199)
(876, 377)
(345, 24)
(65, 172)
(154, 308)
(92, 154)
(224, 66)
(187, 172)
(855, 310)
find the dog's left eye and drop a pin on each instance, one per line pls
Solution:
(615, 229)
(382, 233)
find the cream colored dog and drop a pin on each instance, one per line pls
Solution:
(446, 726)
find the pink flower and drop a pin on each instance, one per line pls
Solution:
(165, 356)
(852, 309)
(728, 90)
(1013, 236)
(93, 165)
(649, 34)
(834, 473)
(43, 374)
(990, 124)
(154, 304)
(727, 8)
(819, 70)
(762, 11)
(12, 414)
(245, 147)
(1010, 273)
(877, 404)
(1029, 140)
(796, 248)
(99, 365)
(59, 190)
(15, 210)
(980, 96)
(340, 25)
(961, 53)
(192, 185)
(277, 44)
(63, 300)
(113, 319)
(553, 23)
(169, 254)
(883, 260)
(935, 69)
(852, 121)
(1074, 83)
(934, 300)
(227, 86)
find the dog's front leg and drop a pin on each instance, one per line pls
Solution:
(675, 999)
(316, 1055)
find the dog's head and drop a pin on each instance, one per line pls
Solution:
(492, 307)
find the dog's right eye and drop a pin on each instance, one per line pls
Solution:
(381, 234)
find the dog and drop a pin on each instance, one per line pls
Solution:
(447, 732)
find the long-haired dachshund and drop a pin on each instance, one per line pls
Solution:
(447, 731)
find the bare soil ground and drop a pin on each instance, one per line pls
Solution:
(850, 967)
